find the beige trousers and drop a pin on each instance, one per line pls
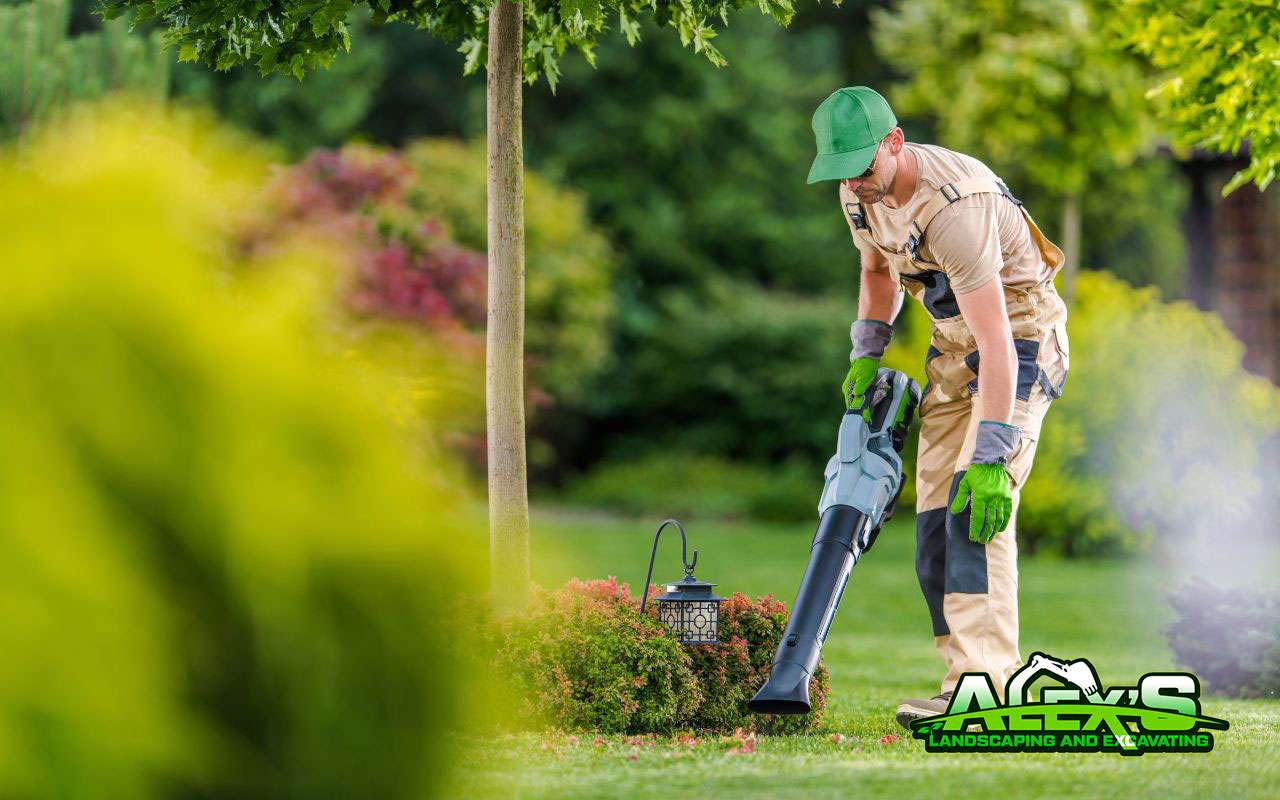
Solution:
(971, 589)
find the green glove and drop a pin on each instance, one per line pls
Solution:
(988, 485)
(870, 337)
(862, 371)
(986, 482)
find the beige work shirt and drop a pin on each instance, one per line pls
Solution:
(971, 240)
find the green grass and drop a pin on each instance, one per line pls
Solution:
(880, 650)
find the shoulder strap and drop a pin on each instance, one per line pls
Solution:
(947, 194)
(856, 215)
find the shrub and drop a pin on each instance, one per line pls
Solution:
(1230, 638)
(394, 218)
(738, 372)
(684, 485)
(585, 658)
(223, 560)
(1157, 417)
(569, 265)
(731, 672)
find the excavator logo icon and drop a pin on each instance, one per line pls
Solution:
(1161, 714)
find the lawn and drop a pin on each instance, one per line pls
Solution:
(879, 651)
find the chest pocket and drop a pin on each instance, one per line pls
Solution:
(863, 234)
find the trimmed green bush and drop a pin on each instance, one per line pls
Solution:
(585, 658)
(1230, 638)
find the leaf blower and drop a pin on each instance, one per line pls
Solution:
(863, 481)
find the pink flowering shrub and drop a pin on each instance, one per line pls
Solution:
(585, 658)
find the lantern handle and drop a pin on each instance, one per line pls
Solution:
(684, 557)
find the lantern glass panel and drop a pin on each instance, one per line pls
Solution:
(693, 621)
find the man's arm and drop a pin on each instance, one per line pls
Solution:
(879, 296)
(966, 244)
(964, 239)
(984, 311)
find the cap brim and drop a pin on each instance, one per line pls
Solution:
(838, 166)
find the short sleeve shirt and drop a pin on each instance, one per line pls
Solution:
(972, 240)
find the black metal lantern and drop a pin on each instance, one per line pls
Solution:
(688, 607)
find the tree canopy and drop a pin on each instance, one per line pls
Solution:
(1026, 82)
(1222, 87)
(299, 35)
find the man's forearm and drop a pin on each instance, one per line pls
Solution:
(998, 367)
(878, 296)
(984, 311)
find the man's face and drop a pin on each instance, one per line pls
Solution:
(872, 188)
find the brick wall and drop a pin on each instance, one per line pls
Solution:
(1235, 262)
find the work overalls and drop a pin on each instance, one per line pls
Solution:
(972, 589)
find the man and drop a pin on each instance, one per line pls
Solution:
(942, 226)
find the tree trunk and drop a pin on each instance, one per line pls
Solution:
(504, 336)
(1070, 245)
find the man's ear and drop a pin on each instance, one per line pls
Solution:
(896, 141)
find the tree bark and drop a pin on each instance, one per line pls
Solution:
(1070, 245)
(504, 336)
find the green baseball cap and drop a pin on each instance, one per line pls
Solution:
(849, 126)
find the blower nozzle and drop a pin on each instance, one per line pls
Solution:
(863, 481)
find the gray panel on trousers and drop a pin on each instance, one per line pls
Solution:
(966, 560)
(1028, 351)
(931, 563)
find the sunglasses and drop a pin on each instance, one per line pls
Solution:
(871, 168)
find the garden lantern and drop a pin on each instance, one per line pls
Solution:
(688, 606)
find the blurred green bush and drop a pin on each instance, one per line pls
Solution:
(585, 658)
(226, 563)
(737, 371)
(1160, 432)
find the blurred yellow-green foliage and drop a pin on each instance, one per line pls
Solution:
(224, 558)
(1161, 430)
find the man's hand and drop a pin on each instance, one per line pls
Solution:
(987, 485)
(862, 371)
(869, 337)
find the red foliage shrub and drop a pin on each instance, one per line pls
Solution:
(406, 267)
(584, 658)
(732, 671)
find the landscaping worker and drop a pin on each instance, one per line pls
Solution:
(945, 228)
